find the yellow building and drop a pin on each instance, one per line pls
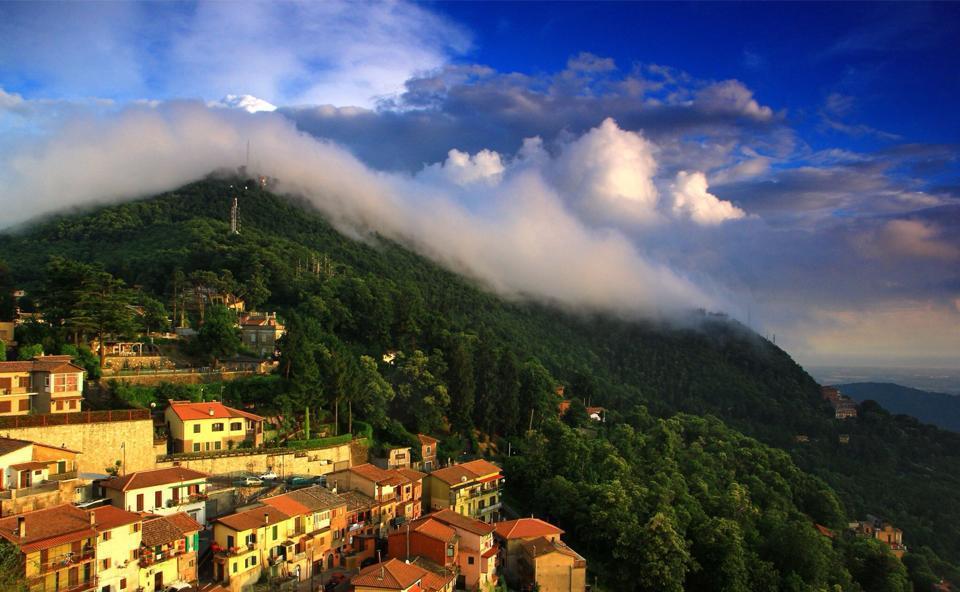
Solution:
(295, 535)
(168, 552)
(204, 427)
(58, 546)
(518, 559)
(119, 534)
(553, 565)
(471, 489)
(45, 384)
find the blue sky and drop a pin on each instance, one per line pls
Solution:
(794, 163)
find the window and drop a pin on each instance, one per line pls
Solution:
(196, 428)
(235, 563)
(253, 560)
(216, 445)
(4, 406)
(24, 405)
(218, 427)
(73, 404)
(428, 450)
(274, 532)
(469, 560)
(196, 448)
(236, 426)
(59, 405)
(106, 563)
(106, 535)
(24, 382)
(123, 583)
(105, 589)
(135, 527)
(158, 499)
(134, 554)
(139, 502)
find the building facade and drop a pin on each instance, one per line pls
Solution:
(160, 491)
(45, 384)
(202, 427)
(472, 489)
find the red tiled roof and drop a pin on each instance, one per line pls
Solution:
(253, 518)
(42, 364)
(434, 529)
(392, 574)
(481, 468)
(8, 445)
(467, 471)
(163, 530)
(48, 527)
(451, 518)
(493, 550)
(433, 582)
(110, 517)
(34, 464)
(373, 473)
(410, 474)
(541, 546)
(824, 531)
(152, 478)
(188, 411)
(426, 440)
(287, 505)
(525, 528)
(316, 498)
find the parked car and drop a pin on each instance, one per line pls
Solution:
(269, 476)
(251, 481)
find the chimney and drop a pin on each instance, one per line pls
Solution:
(266, 519)
(21, 526)
(93, 518)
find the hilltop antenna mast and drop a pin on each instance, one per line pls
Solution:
(235, 217)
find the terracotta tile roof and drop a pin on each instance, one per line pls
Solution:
(436, 577)
(163, 530)
(373, 473)
(426, 440)
(541, 546)
(317, 498)
(357, 500)
(458, 521)
(42, 364)
(8, 445)
(453, 475)
(481, 468)
(188, 411)
(410, 474)
(392, 574)
(252, 518)
(110, 517)
(525, 528)
(48, 527)
(34, 464)
(287, 505)
(434, 529)
(152, 478)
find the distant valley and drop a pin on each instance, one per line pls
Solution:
(939, 409)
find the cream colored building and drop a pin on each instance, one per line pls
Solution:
(168, 552)
(160, 491)
(119, 535)
(45, 384)
(211, 426)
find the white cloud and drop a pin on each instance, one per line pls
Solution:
(248, 103)
(691, 199)
(525, 242)
(608, 173)
(463, 169)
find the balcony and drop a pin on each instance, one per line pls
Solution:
(488, 509)
(64, 476)
(67, 560)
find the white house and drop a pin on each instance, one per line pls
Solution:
(160, 491)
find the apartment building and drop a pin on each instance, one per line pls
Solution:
(531, 550)
(160, 491)
(472, 489)
(211, 426)
(476, 549)
(45, 384)
(398, 493)
(168, 552)
(118, 548)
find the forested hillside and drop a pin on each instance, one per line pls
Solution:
(729, 511)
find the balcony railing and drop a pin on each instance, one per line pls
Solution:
(67, 560)
(62, 476)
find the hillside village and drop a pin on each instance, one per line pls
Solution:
(198, 501)
(187, 433)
